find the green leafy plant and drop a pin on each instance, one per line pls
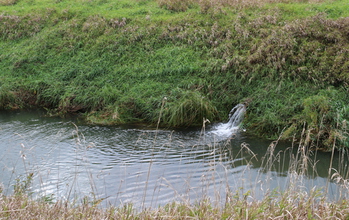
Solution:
(22, 187)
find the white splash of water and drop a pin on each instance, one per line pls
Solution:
(236, 116)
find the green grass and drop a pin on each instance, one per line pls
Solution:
(93, 57)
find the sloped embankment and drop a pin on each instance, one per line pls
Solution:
(114, 62)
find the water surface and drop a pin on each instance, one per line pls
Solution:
(149, 167)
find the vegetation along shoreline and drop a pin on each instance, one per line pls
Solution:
(114, 62)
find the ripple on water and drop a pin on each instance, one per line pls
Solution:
(130, 164)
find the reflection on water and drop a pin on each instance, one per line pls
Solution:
(136, 164)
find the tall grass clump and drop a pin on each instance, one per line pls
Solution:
(7, 99)
(185, 108)
(324, 121)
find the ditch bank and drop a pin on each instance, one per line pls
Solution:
(142, 62)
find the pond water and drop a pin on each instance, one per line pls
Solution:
(147, 167)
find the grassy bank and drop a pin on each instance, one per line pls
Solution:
(127, 61)
(289, 205)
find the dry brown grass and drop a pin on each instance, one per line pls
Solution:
(206, 5)
(7, 2)
(292, 204)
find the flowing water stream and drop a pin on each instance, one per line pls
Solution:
(147, 167)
